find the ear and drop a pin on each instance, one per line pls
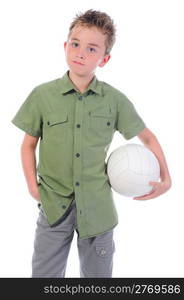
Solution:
(104, 60)
(65, 44)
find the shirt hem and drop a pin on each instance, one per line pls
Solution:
(94, 235)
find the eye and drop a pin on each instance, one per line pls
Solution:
(74, 44)
(92, 49)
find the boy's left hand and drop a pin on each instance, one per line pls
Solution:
(158, 189)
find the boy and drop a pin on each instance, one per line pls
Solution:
(75, 118)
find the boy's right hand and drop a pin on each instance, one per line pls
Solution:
(34, 191)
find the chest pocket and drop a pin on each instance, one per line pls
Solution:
(55, 126)
(102, 121)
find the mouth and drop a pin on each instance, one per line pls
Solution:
(78, 63)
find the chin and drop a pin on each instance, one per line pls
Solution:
(77, 72)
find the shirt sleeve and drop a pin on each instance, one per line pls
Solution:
(129, 123)
(29, 117)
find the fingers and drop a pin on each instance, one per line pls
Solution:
(151, 195)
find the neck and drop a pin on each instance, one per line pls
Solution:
(80, 82)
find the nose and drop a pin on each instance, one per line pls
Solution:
(80, 54)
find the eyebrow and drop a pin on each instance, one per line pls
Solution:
(91, 44)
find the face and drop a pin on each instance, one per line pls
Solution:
(85, 50)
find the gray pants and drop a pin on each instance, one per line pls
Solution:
(52, 245)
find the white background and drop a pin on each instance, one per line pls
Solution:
(147, 65)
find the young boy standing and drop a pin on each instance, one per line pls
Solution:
(74, 118)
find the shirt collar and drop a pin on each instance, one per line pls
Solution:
(67, 85)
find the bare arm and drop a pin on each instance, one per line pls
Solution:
(150, 141)
(28, 159)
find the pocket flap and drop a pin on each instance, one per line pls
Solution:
(101, 112)
(58, 118)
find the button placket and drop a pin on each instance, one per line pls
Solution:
(77, 162)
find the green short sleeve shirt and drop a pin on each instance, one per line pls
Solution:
(76, 130)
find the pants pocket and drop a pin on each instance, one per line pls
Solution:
(105, 250)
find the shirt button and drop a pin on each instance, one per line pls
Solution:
(77, 183)
(78, 126)
(108, 123)
(63, 206)
(80, 98)
(77, 154)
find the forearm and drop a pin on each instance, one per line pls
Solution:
(155, 147)
(28, 158)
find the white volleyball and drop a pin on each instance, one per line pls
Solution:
(130, 168)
